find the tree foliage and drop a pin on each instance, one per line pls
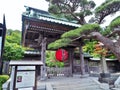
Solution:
(67, 37)
(51, 60)
(107, 8)
(13, 36)
(84, 29)
(13, 50)
(115, 23)
(89, 46)
(59, 43)
(78, 9)
(72, 9)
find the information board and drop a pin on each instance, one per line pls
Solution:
(25, 79)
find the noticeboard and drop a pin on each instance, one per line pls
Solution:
(23, 74)
(25, 78)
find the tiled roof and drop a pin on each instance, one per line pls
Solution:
(44, 15)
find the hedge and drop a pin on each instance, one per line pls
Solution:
(3, 79)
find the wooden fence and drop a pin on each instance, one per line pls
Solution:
(58, 72)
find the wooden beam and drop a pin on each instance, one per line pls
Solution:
(44, 29)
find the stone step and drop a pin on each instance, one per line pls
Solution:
(94, 87)
(74, 85)
(74, 82)
(41, 87)
(83, 84)
(78, 85)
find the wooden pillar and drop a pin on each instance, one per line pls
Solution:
(82, 63)
(1, 66)
(71, 60)
(87, 65)
(43, 59)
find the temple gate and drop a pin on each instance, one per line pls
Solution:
(39, 29)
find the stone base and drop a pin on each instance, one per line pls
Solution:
(43, 79)
(104, 77)
(84, 76)
(94, 74)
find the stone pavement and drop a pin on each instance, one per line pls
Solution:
(72, 83)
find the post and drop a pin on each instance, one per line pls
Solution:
(2, 41)
(71, 60)
(1, 63)
(43, 59)
(1, 66)
(82, 63)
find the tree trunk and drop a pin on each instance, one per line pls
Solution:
(114, 47)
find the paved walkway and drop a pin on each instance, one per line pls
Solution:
(72, 83)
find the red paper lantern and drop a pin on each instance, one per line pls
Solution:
(61, 55)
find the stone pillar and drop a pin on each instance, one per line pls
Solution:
(105, 75)
(43, 59)
(104, 65)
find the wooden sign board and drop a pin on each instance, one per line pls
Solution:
(25, 77)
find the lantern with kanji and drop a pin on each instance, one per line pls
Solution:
(61, 55)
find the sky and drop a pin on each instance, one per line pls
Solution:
(13, 10)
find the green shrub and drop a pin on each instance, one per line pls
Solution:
(3, 79)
